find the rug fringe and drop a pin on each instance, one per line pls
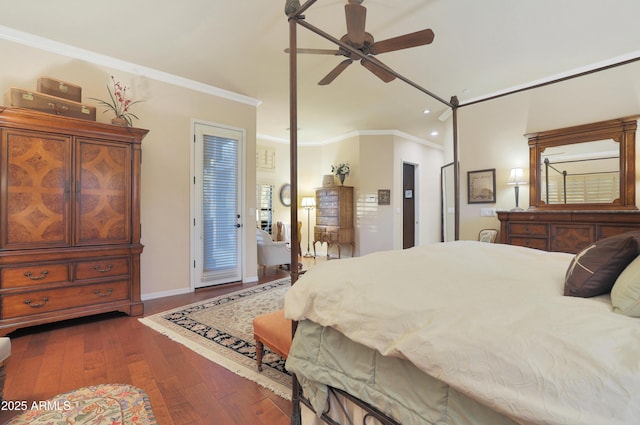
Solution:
(256, 376)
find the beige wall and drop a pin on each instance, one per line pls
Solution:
(376, 163)
(491, 134)
(167, 111)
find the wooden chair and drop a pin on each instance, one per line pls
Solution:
(280, 230)
(488, 235)
(274, 331)
(282, 234)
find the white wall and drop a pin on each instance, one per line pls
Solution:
(167, 111)
(428, 161)
(491, 134)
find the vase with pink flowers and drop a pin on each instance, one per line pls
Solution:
(119, 103)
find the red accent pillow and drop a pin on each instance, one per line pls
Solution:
(594, 270)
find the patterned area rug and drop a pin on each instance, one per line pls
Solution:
(108, 404)
(221, 329)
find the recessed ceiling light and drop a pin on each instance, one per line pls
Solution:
(434, 133)
(426, 111)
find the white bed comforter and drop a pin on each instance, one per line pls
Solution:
(491, 321)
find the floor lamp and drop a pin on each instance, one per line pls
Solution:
(308, 203)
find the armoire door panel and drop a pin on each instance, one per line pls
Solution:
(36, 178)
(103, 193)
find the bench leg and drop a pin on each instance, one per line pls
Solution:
(259, 351)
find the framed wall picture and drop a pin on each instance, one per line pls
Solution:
(481, 186)
(384, 196)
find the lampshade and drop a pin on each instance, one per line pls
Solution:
(308, 202)
(517, 176)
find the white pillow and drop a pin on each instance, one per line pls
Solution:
(625, 294)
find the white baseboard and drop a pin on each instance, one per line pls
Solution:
(163, 294)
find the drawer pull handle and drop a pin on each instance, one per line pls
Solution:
(103, 294)
(101, 270)
(41, 276)
(37, 305)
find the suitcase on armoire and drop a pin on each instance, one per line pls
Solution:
(50, 104)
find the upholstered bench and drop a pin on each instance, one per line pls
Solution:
(274, 331)
(5, 352)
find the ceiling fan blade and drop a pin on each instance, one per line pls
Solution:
(379, 72)
(418, 38)
(317, 51)
(335, 72)
(356, 15)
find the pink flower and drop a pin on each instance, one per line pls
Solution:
(119, 103)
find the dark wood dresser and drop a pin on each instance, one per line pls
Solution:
(334, 218)
(69, 218)
(564, 231)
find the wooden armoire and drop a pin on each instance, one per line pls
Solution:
(69, 218)
(334, 218)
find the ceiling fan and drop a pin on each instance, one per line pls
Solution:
(358, 39)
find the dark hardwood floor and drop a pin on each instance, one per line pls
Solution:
(183, 387)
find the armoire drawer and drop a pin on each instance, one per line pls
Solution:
(37, 274)
(34, 302)
(101, 268)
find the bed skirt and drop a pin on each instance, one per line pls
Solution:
(394, 386)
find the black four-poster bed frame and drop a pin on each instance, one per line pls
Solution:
(296, 17)
(294, 12)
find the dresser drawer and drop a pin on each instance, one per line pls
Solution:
(528, 229)
(326, 203)
(536, 243)
(327, 212)
(606, 231)
(328, 221)
(34, 302)
(38, 274)
(323, 193)
(101, 268)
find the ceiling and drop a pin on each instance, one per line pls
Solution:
(480, 48)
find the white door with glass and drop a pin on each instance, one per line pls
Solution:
(217, 220)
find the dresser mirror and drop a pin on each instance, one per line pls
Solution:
(584, 167)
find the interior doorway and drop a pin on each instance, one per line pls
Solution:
(408, 205)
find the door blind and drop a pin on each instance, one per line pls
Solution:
(219, 207)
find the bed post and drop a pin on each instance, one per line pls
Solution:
(456, 169)
(293, 146)
(291, 9)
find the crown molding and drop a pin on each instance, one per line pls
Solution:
(357, 133)
(52, 46)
